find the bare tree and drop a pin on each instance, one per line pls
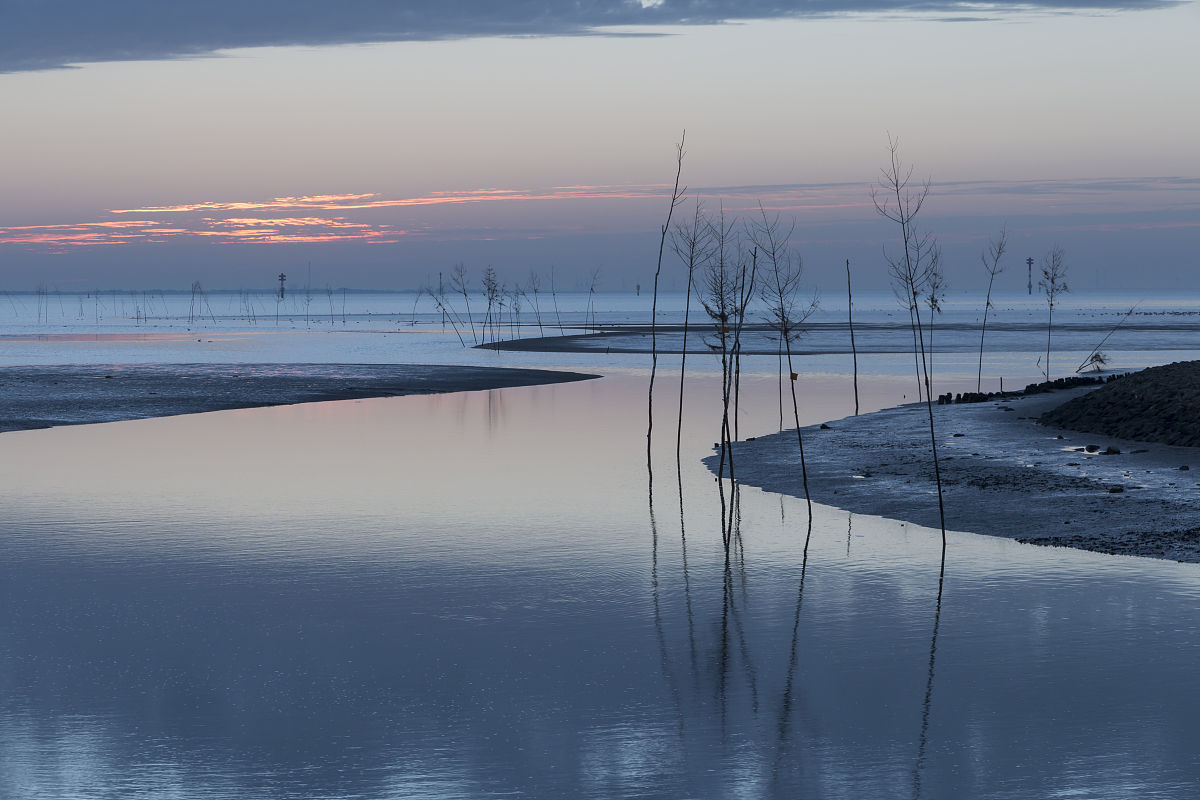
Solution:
(850, 318)
(676, 199)
(896, 200)
(554, 297)
(723, 299)
(991, 263)
(779, 292)
(458, 282)
(443, 305)
(590, 314)
(746, 284)
(535, 286)
(491, 293)
(935, 294)
(692, 242)
(1053, 283)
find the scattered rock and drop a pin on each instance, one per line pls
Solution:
(1111, 451)
(824, 427)
(1116, 489)
(1092, 448)
(1185, 467)
(959, 435)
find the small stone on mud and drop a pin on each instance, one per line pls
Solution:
(1185, 467)
(824, 427)
(959, 435)
(1116, 490)
(1092, 448)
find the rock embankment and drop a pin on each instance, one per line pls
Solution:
(1159, 404)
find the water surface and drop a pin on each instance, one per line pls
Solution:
(474, 595)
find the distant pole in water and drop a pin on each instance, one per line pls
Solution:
(1029, 263)
(283, 278)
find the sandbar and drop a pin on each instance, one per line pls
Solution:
(47, 396)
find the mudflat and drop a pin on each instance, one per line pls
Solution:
(1002, 472)
(46, 396)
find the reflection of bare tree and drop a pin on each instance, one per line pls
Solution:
(664, 655)
(785, 706)
(687, 583)
(925, 706)
(495, 409)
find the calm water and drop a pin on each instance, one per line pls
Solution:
(475, 595)
(464, 596)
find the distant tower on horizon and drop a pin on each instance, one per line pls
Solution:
(283, 278)
(1029, 263)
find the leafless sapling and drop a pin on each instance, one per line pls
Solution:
(491, 293)
(935, 294)
(1053, 283)
(591, 306)
(850, 319)
(691, 241)
(535, 287)
(458, 282)
(719, 298)
(991, 264)
(676, 199)
(554, 297)
(779, 291)
(899, 202)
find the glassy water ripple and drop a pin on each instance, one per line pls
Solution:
(463, 596)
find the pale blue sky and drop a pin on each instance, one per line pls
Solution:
(1015, 119)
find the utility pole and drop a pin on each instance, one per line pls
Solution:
(282, 278)
(1029, 263)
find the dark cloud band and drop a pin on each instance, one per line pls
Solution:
(48, 34)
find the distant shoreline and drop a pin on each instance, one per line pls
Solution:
(1003, 474)
(49, 396)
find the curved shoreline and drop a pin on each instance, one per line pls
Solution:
(48, 396)
(1003, 474)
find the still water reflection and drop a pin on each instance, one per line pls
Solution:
(470, 595)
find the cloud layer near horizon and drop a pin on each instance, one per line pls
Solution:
(50, 34)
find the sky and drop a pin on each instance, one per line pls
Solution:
(150, 145)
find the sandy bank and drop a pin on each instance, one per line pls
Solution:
(1003, 474)
(42, 397)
